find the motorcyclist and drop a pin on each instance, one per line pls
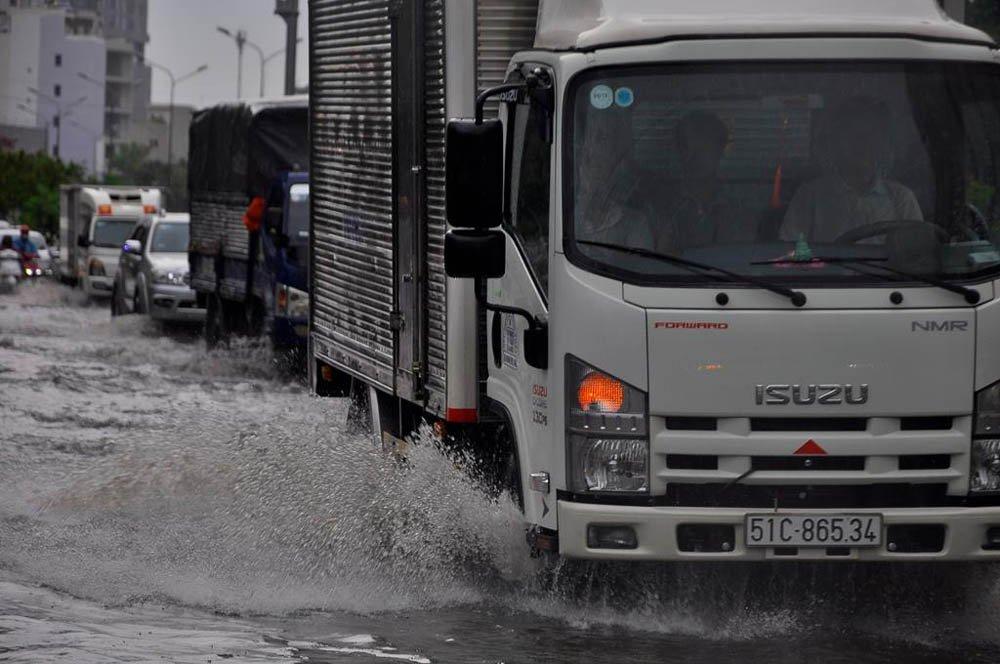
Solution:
(23, 244)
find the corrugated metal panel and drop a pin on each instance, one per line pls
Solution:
(435, 118)
(213, 218)
(351, 79)
(504, 27)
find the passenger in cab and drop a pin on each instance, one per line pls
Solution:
(697, 212)
(613, 205)
(857, 192)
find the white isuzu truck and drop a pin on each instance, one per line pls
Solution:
(94, 222)
(704, 281)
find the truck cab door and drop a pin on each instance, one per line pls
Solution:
(523, 390)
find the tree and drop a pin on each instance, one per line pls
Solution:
(29, 188)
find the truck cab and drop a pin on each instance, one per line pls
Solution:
(285, 253)
(725, 271)
(94, 223)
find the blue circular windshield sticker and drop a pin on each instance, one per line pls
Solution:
(601, 97)
(624, 97)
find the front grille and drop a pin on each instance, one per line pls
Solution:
(808, 463)
(924, 461)
(808, 424)
(692, 423)
(692, 462)
(808, 497)
(933, 423)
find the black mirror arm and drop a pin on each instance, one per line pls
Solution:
(535, 323)
(528, 84)
(536, 337)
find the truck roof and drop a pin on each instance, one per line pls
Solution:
(591, 24)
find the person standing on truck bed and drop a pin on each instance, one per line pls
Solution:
(857, 193)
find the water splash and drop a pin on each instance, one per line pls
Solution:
(137, 467)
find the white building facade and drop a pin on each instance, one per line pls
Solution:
(52, 73)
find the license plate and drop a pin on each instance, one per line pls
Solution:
(814, 530)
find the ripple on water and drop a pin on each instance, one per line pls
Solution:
(221, 485)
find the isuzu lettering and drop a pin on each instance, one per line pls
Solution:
(706, 281)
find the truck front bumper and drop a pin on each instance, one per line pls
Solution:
(656, 530)
(176, 304)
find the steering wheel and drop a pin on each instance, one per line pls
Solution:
(879, 228)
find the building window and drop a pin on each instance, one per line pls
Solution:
(58, 59)
(58, 90)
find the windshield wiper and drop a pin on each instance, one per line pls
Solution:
(971, 296)
(798, 298)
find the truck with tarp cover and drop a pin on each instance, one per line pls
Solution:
(699, 280)
(249, 199)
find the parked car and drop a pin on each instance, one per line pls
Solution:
(44, 261)
(153, 275)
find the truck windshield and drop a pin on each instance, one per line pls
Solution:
(170, 237)
(298, 214)
(759, 167)
(112, 232)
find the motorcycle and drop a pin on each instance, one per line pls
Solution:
(30, 267)
(11, 270)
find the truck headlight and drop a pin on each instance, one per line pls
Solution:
(984, 470)
(298, 303)
(607, 432)
(170, 278)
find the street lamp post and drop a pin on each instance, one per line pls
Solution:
(289, 10)
(263, 66)
(240, 37)
(60, 114)
(174, 81)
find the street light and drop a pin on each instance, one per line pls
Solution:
(265, 61)
(60, 114)
(240, 37)
(174, 81)
(289, 11)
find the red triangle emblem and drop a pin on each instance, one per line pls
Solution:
(810, 448)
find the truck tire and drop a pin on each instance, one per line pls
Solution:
(216, 330)
(115, 304)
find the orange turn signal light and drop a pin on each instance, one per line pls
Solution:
(149, 209)
(104, 209)
(601, 392)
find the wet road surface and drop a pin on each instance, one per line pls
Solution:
(161, 502)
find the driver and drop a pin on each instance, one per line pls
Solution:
(857, 193)
(23, 244)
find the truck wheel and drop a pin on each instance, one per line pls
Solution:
(138, 305)
(256, 318)
(115, 305)
(215, 327)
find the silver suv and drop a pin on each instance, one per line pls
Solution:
(153, 275)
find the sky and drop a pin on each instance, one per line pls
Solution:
(183, 36)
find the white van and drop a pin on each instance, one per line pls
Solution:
(94, 223)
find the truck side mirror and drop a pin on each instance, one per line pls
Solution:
(132, 247)
(471, 254)
(82, 241)
(474, 189)
(474, 173)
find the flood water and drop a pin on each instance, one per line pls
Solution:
(161, 502)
